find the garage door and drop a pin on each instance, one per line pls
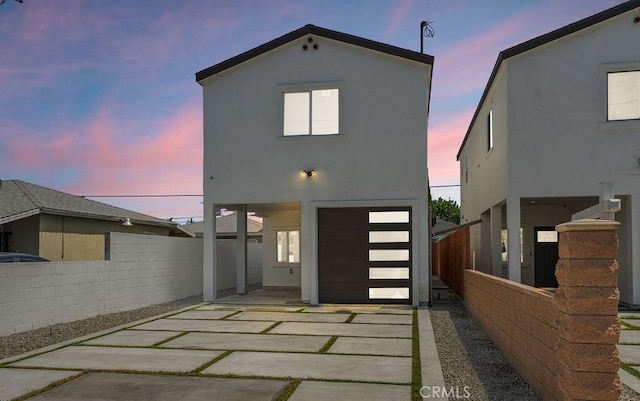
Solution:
(364, 255)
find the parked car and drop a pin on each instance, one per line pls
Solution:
(11, 257)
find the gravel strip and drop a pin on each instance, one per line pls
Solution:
(19, 343)
(470, 359)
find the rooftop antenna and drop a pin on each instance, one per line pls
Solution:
(426, 30)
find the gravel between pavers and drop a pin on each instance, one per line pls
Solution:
(470, 359)
(18, 343)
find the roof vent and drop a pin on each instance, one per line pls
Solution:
(636, 20)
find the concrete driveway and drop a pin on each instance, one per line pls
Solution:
(238, 352)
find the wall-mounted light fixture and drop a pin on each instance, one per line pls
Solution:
(127, 222)
(309, 173)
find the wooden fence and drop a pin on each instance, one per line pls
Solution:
(451, 257)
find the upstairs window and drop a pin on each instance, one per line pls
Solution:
(313, 112)
(490, 130)
(623, 95)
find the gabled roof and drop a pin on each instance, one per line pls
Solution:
(543, 40)
(19, 199)
(225, 225)
(313, 30)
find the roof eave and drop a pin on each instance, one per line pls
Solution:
(69, 213)
(542, 40)
(312, 30)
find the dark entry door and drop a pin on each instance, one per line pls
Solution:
(546, 256)
(364, 255)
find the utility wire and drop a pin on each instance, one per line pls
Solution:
(141, 196)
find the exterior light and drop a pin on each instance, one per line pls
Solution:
(309, 173)
(127, 222)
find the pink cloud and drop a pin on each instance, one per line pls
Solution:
(167, 160)
(397, 17)
(444, 140)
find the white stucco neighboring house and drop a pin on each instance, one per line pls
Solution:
(559, 115)
(324, 135)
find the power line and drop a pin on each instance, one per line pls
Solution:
(142, 196)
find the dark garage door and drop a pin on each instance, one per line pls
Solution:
(364, 255)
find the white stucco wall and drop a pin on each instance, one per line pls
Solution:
(380, 153)
(559, 141)
(143, 270)
(226, 255)
(276, 274)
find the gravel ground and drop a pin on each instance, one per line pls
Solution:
(26, 341)
(469, 358)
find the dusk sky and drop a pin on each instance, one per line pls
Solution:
(100, 98)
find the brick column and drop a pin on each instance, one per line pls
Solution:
(587, 299)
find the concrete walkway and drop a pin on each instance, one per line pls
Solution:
(237, 352)
(629, 347)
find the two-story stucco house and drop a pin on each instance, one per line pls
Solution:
(559, 115)
(324, 136)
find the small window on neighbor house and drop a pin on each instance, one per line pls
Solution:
(623, 95)
(312, 112)
(288, 246)
(490, 130)
(466, 168)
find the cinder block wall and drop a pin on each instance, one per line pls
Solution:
(143, 270)
(521, 322)
(226, 257)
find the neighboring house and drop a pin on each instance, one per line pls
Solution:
(227, 228)
(442, 228)
(61, 226)
(559, 115)
(324, 136)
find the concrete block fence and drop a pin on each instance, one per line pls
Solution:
(562, 344)
(143, 270)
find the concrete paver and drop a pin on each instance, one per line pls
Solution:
(372, 354)
(630, 336)
(429, 358)
(292, 317)
(112, 358)
(251, 308)
(629, 354)
(132, 338)
(202, 314)
(224, 326)
(249, 342)
(391, 310)
(382, 319)
(633, 322)
(371, 346)
(118, 386)
(344, 329)
(322, 391)
(17, 382)
(396, 370)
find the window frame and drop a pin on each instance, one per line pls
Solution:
(490, 130)
(310, 88)
(287, 230)
(609, 73)
(605, 70)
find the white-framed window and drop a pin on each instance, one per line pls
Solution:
(490, 130)
(288, 246)
(623, 95)
(311, 112)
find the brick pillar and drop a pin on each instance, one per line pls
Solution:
(587, 299)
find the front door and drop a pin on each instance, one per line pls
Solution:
(545, 256)
(364, 255)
